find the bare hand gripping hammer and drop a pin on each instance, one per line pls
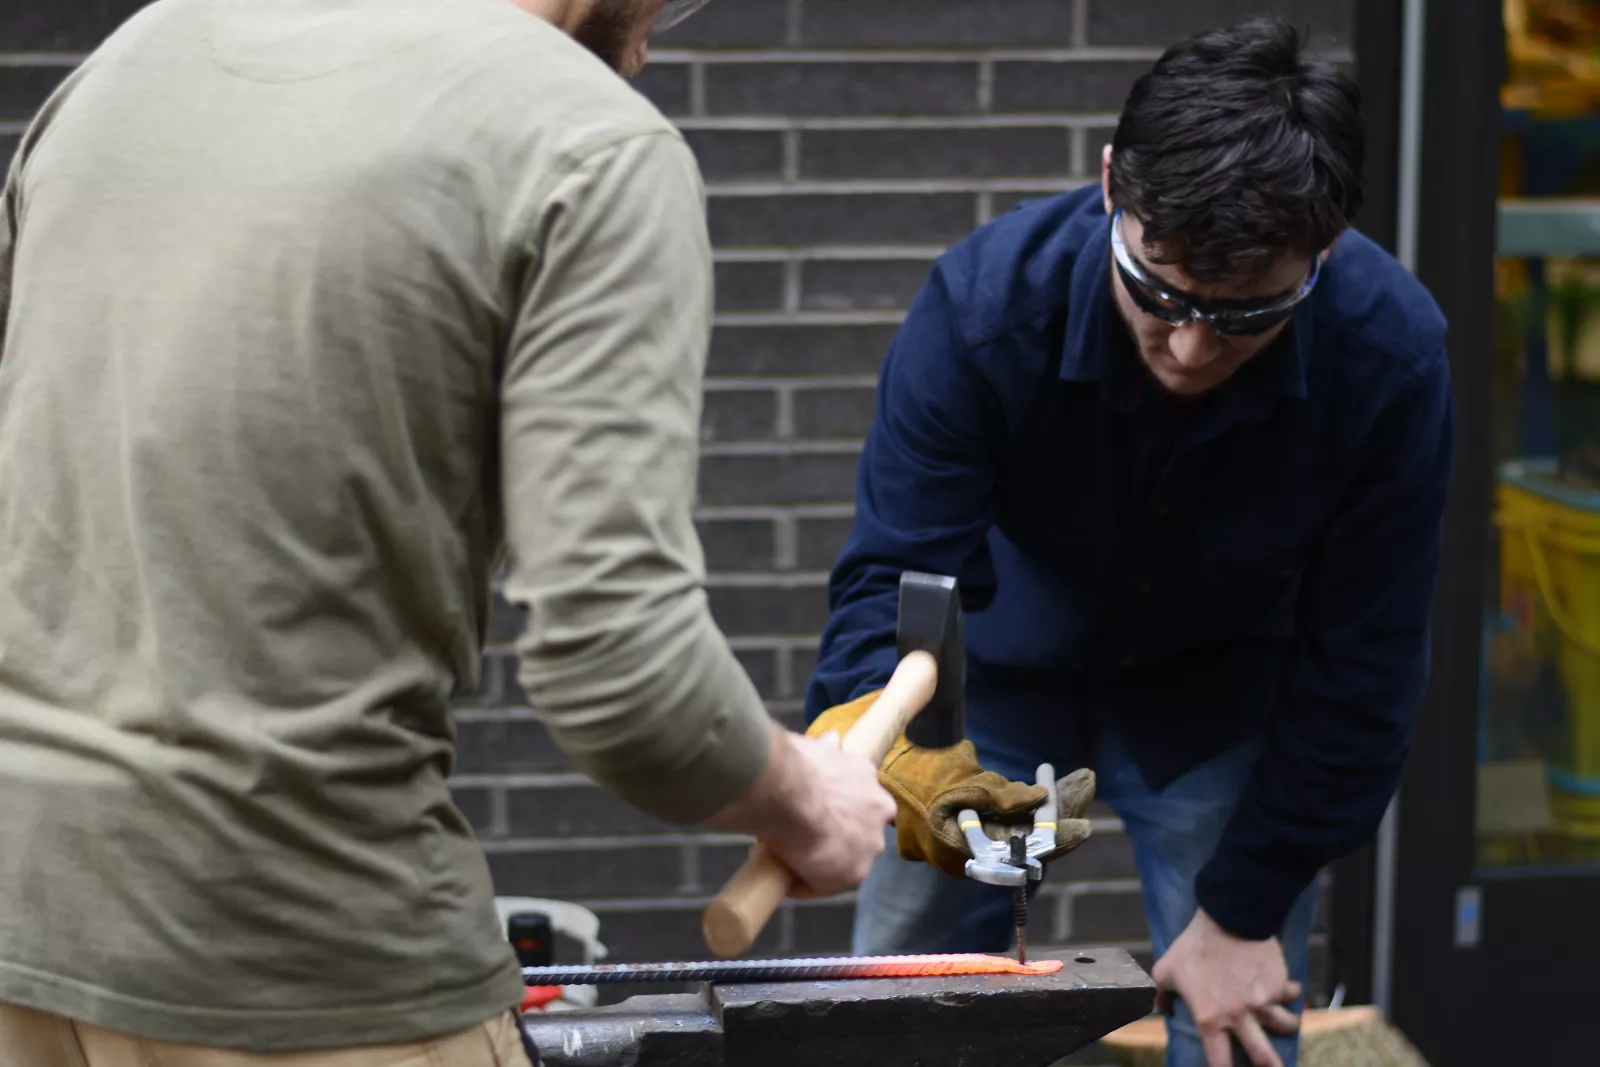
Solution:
(925, 699)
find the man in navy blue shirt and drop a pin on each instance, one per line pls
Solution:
(1184, 439)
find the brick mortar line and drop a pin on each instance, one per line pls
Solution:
(524, 845)
(783, 678)
(794, 286)
(809, 318)
(769, 642)
(499, 813)
(746, 643)
(1100, 887)
(687, 902)
(1080, 24)
(790, 167)
(827, 253)
(984, 208)
(785, 556)
(782, 448)
(892, 187)
(697, 88)
(783, 413)
(522, 712)
(1078, 151)
(688, 869)
(952, 54)
(779, 123)
(773, 512)
(766, 579)
(800, 385)
(41, 59)
(786, 931)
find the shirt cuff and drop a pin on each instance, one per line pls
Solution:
(736, 744)
(1248, 900)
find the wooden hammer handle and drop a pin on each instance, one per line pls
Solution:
(910, 689)
(750, 898)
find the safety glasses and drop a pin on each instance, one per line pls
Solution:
(1238, 318)
(674, 13)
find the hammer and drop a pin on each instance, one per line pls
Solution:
(925, 699)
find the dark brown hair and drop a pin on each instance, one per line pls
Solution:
(1236, 149)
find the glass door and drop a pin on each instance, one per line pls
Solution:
(1496, 918)
(1538, 777)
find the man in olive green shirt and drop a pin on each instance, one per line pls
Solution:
(314, 313)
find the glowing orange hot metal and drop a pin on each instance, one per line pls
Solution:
(799, 970)
(968, 963)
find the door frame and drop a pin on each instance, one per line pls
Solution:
(1378, 48)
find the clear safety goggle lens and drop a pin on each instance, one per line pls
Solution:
(675, 12)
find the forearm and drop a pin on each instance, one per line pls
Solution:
(1354, 680)
(653, 705)
(600, 420)
(1301, 811)
(1337, 745)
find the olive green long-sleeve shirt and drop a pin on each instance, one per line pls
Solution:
(310, 308)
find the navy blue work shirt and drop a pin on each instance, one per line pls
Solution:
(1262, 565)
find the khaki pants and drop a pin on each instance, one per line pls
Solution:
(33, 1039)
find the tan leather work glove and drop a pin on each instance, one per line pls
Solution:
(1074, 794)
(931, 786)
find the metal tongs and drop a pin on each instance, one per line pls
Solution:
(1015, 863)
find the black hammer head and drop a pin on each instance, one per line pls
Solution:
(931, 621)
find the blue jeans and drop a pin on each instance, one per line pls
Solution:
(913, 908)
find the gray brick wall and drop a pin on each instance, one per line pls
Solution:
(846, 143)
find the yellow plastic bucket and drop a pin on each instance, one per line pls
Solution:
(1550, 585)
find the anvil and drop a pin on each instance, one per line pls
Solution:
(965, 1021)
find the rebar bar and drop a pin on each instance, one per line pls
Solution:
(796, 970)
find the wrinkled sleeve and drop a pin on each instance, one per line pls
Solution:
(1356, 675)
(600, 422)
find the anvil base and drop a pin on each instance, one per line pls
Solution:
(963, 1021)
